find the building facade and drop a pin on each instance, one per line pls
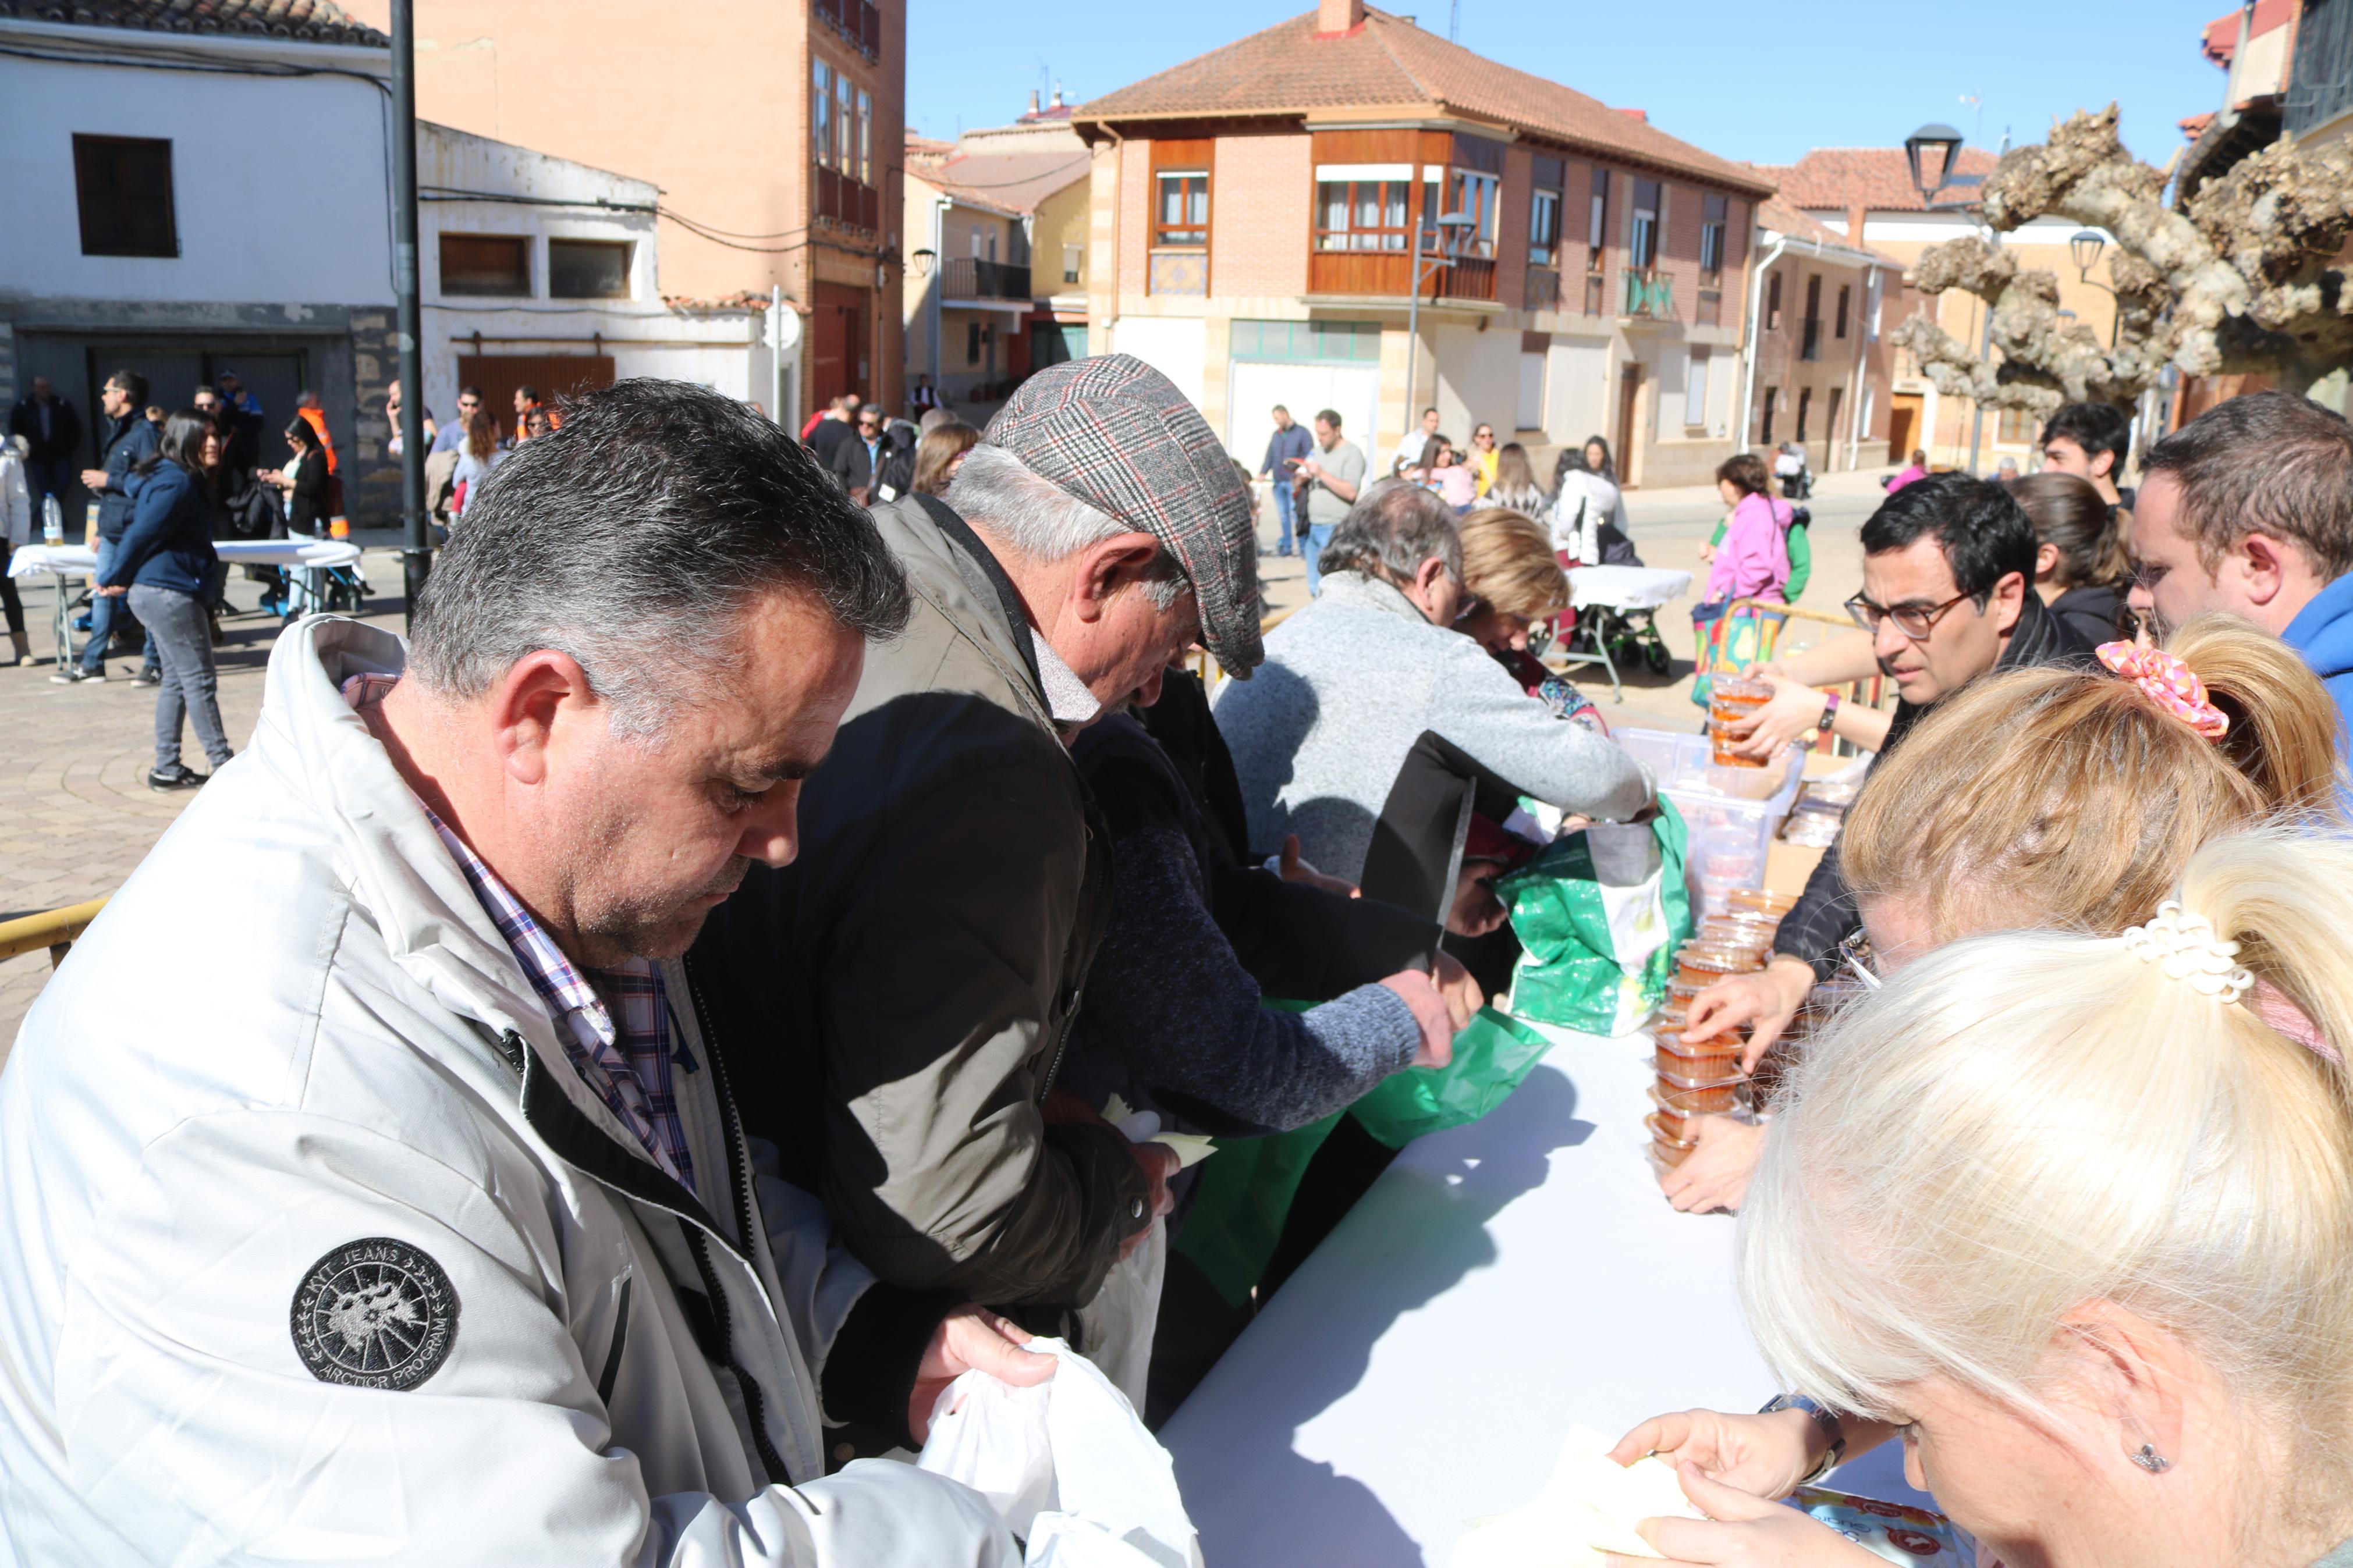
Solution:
(540, 271)
(1255, 215)
(770, 129)
(1818, 365)
(994, 217)
(1864, 195)
(149, 229)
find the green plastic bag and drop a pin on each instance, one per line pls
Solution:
(1493, 1053)
(1598, 956)
(1241, 1200)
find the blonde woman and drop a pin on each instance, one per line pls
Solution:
(2065, 798)
(2073, 1215)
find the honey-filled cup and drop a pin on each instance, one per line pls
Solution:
(1705, 1061)
(1703, 966)
(1700, 1098)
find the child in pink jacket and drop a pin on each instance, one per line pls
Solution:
(1752, 561)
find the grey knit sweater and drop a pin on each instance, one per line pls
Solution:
(1351, 682)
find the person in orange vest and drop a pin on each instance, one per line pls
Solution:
(307, 405)
(527, 402)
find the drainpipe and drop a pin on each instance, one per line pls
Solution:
(1855, 373)
(1756, 335)
(939, 283)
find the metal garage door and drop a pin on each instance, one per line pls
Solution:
(1255, 387)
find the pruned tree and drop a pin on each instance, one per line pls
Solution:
(2247, 280)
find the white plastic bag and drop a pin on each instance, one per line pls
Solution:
(1067, 1464)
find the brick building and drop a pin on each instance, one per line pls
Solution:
(770, 129)
(1819, 362)
(1255, 213)
(997, 221)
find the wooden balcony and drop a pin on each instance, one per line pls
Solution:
(1379, 272)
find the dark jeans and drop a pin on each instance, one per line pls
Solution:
(104, 610)
(176, 628)
(11, 604)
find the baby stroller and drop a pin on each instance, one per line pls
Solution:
(1615, 609)
(324, 591)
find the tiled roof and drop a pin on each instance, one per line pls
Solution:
(1840, 179)
(1288, 69)
(311, 21)
(1009, 183)
(1778, 216)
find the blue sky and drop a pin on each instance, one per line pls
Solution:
(1820, 73)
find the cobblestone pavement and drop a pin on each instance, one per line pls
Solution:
(76, 814)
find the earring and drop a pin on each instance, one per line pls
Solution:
(2149, 1459)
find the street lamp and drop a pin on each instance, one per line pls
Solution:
(1450, 227)
(1937, 147)
(923, 260)
(2085, 246)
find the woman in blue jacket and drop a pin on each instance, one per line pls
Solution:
(164, 565)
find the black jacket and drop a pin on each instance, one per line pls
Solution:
(854, 468)
(128, 442)
(829, 434)
(2096, 611)
(1825, 915)
(65, 428)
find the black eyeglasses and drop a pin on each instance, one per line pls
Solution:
(1913, 620)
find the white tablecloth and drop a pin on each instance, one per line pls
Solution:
(1499, 1284)
(315, 553)
(1627, 588)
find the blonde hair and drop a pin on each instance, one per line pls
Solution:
(2070, 798)
(2021, 1124)
(1508, 563)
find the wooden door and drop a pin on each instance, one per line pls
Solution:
(1903, 427)
(554, 377)
(841, 360)
(1630, 401)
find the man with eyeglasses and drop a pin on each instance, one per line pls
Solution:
(856, 462)
(1948, 568)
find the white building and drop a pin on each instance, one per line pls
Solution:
(182, 202)
(188, 196)
(544, 272)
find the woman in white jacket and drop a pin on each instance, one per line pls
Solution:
(15, 530)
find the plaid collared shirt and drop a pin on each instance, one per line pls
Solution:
(628, 1064)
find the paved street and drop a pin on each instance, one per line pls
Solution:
(79, 815)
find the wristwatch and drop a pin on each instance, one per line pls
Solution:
(1824, 1417)
(1829, 711)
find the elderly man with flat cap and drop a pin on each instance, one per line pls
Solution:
(900, 999)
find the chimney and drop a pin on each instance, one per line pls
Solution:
(1338, 19)
(1033, 103)
(1058, 95)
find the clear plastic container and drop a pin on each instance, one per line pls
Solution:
(1762, 901)
(1732, 813)
(1698, 1099)
(1707, 1061)
(1703, 966)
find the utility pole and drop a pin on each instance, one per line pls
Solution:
(417, 549)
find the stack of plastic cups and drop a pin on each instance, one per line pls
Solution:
(1705, 1078)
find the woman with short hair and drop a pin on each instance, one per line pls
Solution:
(1752, 561)
(164, 567)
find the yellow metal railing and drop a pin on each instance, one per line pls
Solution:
(55, 930)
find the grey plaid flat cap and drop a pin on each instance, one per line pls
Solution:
(1118, 435)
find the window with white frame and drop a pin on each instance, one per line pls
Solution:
(1695, 389)
(1072, 255)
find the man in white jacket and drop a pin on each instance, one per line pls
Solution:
(372, 1186)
